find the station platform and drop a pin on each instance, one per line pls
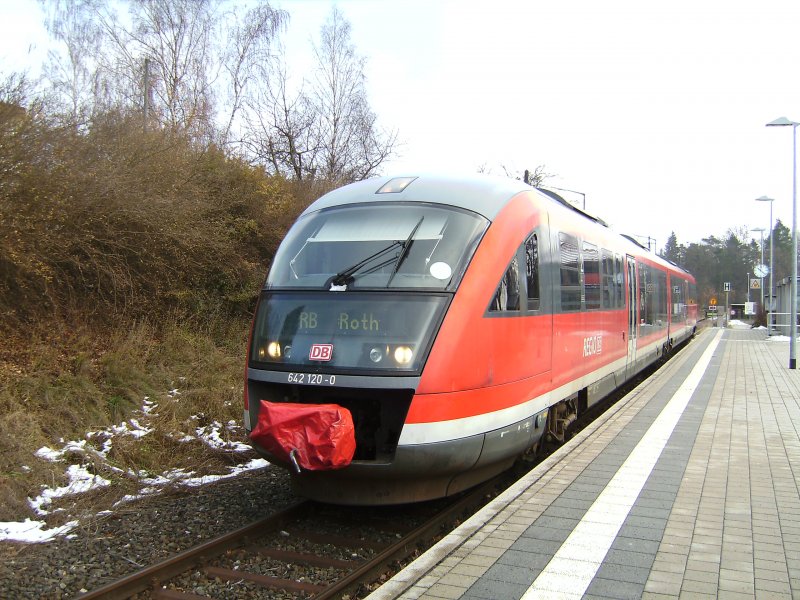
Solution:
(686, 488)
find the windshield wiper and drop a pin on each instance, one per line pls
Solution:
(345, 277)
(404, 252)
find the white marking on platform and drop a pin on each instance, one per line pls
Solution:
(571, 570)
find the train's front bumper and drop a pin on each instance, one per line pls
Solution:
(383, 471)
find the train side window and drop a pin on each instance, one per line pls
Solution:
(678, 299)
(646, 291)
(570, 272)
(685, 285)
(591, 276)
(619, 281)
(607, 275)
(653, 296)
(506, 298)
(661, 309)
(532, 271)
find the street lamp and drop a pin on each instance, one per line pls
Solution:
(784, 122)
(761, 230)
(771, 289)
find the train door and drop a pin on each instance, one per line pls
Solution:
(632, 328)
(671, 298)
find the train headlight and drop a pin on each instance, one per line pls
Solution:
(376, 355)
(274, 350)
(403, 355)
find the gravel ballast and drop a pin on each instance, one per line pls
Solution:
(138, 535)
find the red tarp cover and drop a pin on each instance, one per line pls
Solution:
(322, 434)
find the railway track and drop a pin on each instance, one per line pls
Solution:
(308, 550)
(312, 550)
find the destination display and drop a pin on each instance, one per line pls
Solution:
(386, 331)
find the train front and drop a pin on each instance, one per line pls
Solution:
(352, 305)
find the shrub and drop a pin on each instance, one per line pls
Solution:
(117, 222)
(129, 265)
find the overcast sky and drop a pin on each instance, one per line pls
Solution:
(656, 111)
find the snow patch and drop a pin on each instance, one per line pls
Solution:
(82, 480)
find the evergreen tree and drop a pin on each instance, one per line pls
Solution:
(782, 251)
(673, 251)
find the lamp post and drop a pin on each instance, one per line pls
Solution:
(784, 122)
(771, 289)
(761, 230)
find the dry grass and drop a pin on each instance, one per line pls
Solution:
(90, 379)
(130, 262)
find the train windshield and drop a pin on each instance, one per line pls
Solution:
(378, 246)
(295, 330)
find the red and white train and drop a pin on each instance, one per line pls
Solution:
(417, 335)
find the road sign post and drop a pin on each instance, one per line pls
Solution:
(726, 287)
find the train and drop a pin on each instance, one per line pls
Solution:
(417, 335)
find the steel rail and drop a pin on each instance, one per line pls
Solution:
(360, 572)
(151, 576)
(408, 543)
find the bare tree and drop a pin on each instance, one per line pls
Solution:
(73, 73)
(324, 130)
(281, 128)
(351, 146)
(176, 37)
(538, 176)
(187, 65)
(191, 66)
(247, 59)
(159, 56)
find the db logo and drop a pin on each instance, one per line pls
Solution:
(321, 352)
